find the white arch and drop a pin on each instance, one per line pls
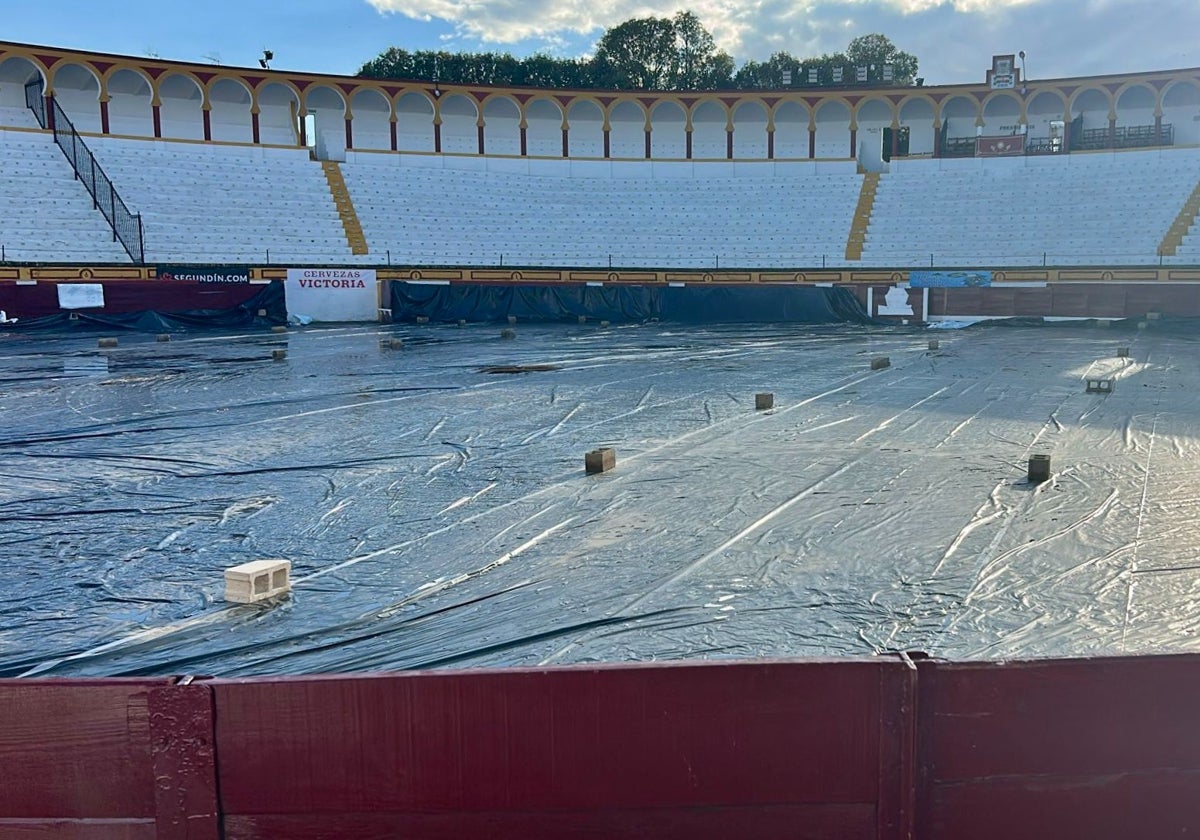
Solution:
(543, 135)
(229, 113)
(750, 130)
(414, 123)
(502, 126)
(585, 119)
(181, 113)
(791, 130)
(668, 137)
(709, 137)
(460, 131)
(372, 119)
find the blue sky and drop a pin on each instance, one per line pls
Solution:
(953, 39)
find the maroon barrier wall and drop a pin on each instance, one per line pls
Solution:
(1101, 748)
(1095, 748)
(753, 750)
(106, 760)
(41, 299)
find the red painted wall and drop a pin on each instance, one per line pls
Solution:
(880, 748)
(669, 751)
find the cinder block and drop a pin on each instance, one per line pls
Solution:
(1099, 386)
(600, 460)
(764, 401)
(278, 355)
(462, 322)
(1122, 352)
(278, 329)
(880, 362)
(512, 319)
(1039, 468)
(1153, 316)
(583, 319)
(933, 344)
(507, 333)
(107, 342)
(422, 319)
(604, 325)
(262, 313)
(257, 580)
(163, 337)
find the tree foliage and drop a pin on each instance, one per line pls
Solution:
(648, 53)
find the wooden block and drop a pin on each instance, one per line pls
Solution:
(880, 362)
(764, 401)
(278, 355)
(257, 580)
(163, 337)
(600, 460)
(1039, 468)
(107, 342)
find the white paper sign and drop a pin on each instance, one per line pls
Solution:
(80, 296)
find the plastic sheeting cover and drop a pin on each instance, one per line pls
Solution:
(439, 515)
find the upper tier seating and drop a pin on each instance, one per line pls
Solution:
(45, 213)
(667, 215)
(1080, 209)
(235, 204)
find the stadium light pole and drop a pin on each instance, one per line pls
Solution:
(1023, 73)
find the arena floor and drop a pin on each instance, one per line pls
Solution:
(437, 514)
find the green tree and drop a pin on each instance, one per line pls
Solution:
(876, 50)
(638, 53)
(698, 64)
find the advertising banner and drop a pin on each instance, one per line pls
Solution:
(332, 294)
(1010, 144)
(205, 273)
(948, 279)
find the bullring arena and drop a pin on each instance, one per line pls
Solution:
(372, 328)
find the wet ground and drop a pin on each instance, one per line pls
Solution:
(437, 514)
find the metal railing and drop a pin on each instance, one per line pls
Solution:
(126, 226)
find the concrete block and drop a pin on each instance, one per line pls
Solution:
(1039, 468)
(107, 342)
(1153, 316)
(1100, 386)
(258, 580)
(422, 319)
(600, 460)
(462, 322)
(512, 319)
(262, 313)
(764, 401)
(278, 329)
(604, 325)
(278, 355)
(1122, 352)
(583, 319)
(507, 333)
(880, 362)
(163, 337)
(933, 344)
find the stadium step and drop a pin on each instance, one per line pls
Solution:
(862, 216)
(355, 237)
(1179, 228)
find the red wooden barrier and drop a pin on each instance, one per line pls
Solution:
(1095, 748)
(752, 750)
(106, 760)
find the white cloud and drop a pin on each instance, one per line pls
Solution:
(954, 39)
